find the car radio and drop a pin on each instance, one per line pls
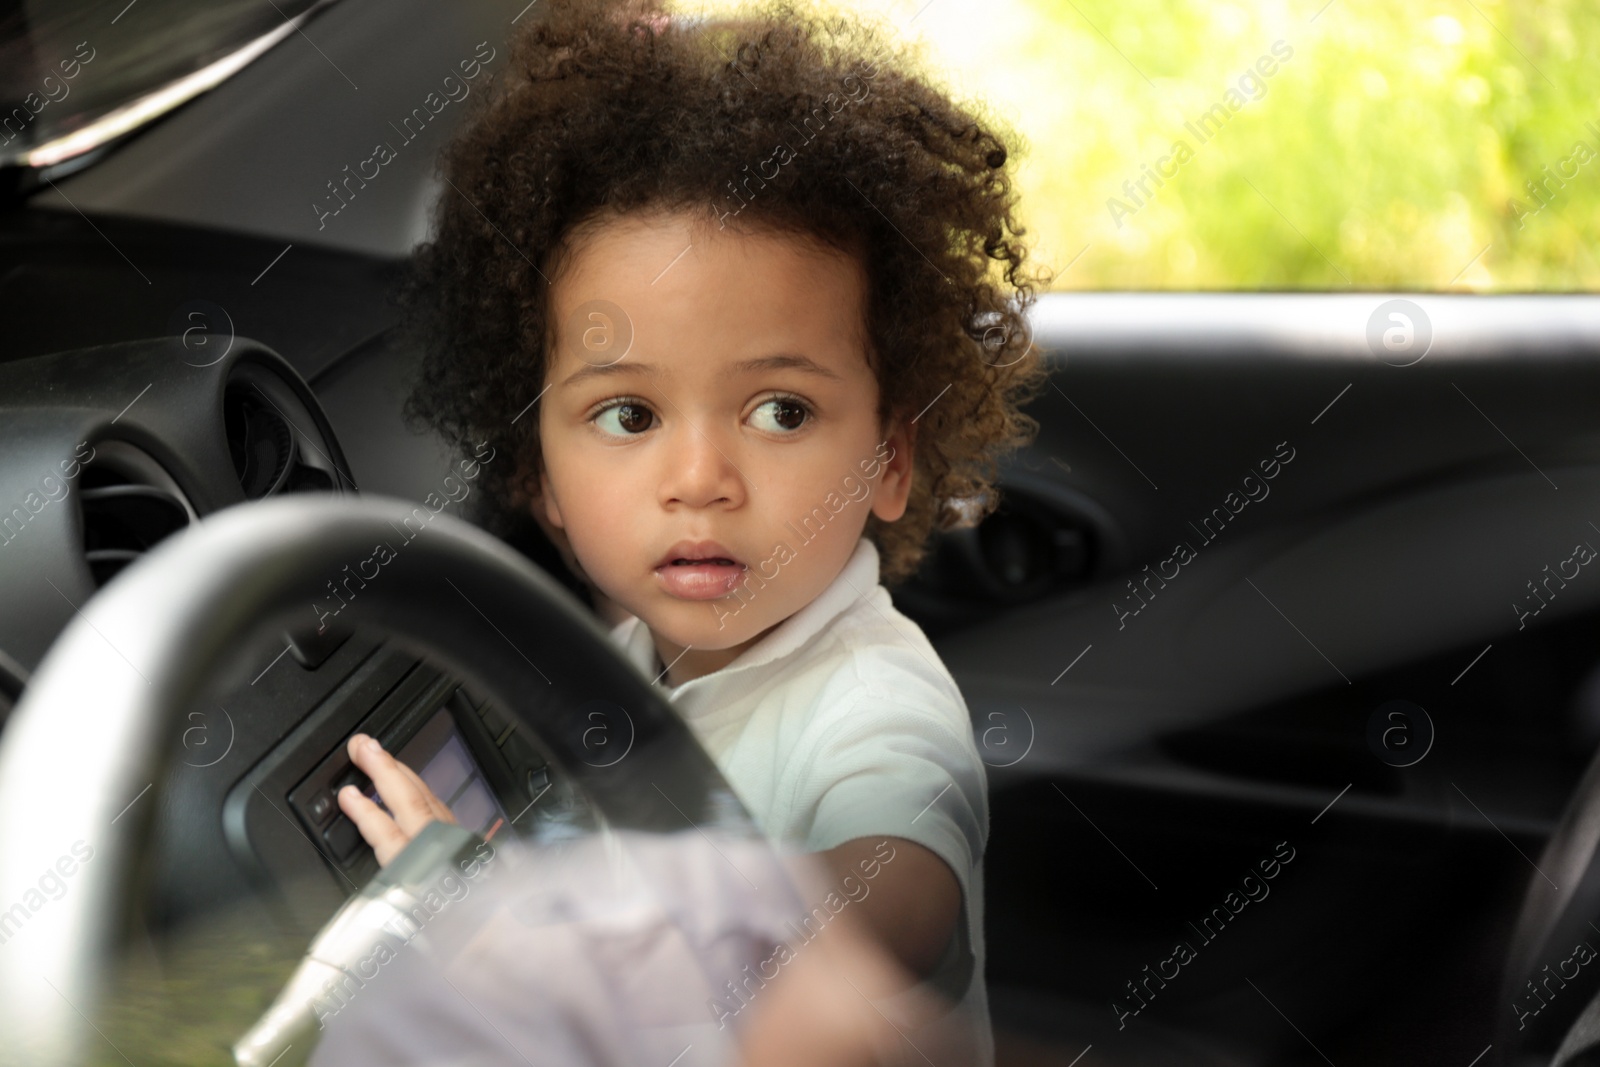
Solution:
(436, 750)
(476, 758)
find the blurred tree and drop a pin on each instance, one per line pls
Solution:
(1453, 144)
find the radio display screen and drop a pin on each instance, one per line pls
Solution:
(440, 757)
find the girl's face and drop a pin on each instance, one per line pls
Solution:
(705, 385)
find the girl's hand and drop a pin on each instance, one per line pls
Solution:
(402, 791)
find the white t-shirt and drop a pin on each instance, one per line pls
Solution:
(843, 723)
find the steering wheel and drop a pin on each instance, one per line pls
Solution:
(177, 625)
(1546, 983)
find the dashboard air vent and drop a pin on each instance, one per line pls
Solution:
(128, 504)
(264, 446)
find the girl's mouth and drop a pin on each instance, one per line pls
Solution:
(700, 579)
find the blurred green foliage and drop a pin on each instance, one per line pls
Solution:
(1386, 152)
(1392, 149)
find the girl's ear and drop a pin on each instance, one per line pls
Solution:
(524, 487)
(894, 485)
(531, 493)
(547, 500)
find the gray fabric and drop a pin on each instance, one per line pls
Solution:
(589, 952)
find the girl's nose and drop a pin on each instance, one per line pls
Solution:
(699, 470)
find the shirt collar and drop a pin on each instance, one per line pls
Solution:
(856, 580)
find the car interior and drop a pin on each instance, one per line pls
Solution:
(1256, 599)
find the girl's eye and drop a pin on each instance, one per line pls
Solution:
(632, 418)
(788, 414)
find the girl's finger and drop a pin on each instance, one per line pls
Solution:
(377, 828)
(441, 811)
(404, 795)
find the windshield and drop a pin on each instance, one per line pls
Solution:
(1316, 145)
(66, 65)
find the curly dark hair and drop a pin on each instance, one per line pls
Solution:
(608, 107)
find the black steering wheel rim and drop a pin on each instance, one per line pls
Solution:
(181, 620)
(1561, 903)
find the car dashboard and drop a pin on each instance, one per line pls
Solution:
(114, 448)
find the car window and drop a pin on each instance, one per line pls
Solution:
(67, 64)
(1319, 145)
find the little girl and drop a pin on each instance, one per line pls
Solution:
(746, 299)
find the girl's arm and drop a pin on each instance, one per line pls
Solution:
(912, 905)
